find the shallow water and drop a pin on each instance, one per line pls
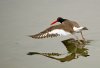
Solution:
(19, 18)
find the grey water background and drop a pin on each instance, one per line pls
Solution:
(19, 18)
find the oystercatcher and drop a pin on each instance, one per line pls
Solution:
(66, 27)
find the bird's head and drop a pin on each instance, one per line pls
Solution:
(59, 19)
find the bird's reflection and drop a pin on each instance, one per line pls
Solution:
(74, 48)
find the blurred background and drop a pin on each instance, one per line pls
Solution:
(20, 18)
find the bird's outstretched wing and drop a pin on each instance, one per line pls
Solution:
(52, 31)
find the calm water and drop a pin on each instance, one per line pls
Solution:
(19, 18)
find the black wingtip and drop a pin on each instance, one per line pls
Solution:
(34, 36)
(30, 36)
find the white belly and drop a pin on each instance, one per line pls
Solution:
(60, 32)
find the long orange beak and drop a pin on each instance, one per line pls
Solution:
(53, 22)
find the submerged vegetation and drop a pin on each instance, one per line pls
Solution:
(75, 49)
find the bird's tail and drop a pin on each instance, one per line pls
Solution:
(85, 28)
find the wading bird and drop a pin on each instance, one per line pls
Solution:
(66, 27)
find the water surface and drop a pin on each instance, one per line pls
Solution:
(19, 18)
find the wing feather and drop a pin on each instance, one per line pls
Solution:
(52, 31)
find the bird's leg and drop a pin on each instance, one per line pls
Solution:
(82, 36)
(77, 39)
(84, 41)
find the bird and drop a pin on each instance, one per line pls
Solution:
(65, 28)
